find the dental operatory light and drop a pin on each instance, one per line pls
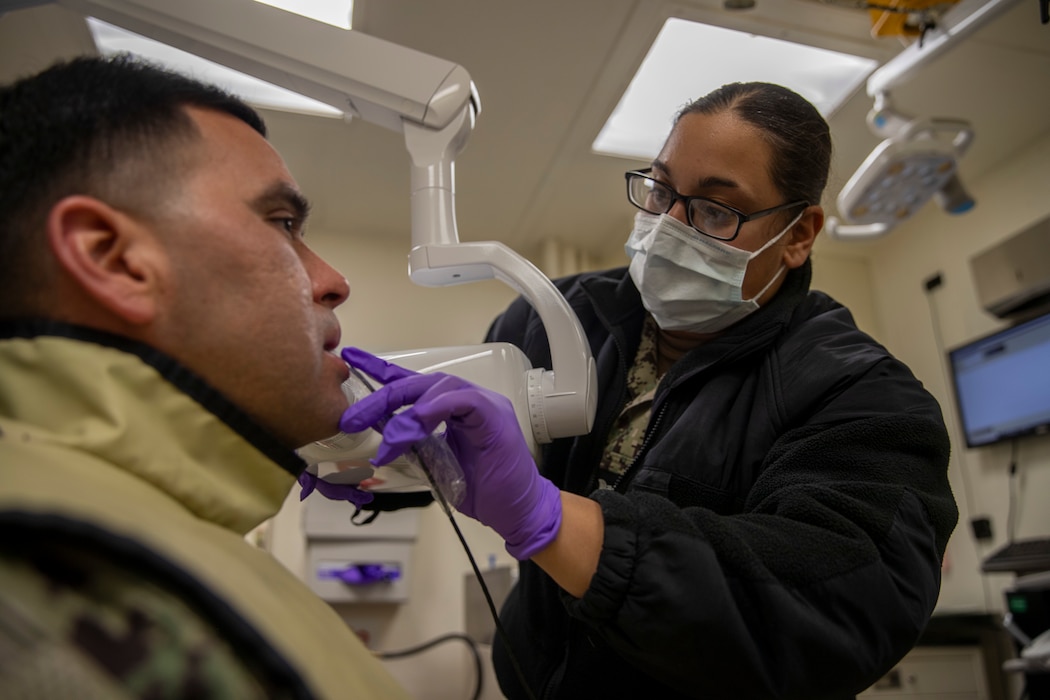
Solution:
(641, 121)
(917, 162)
(113, 40)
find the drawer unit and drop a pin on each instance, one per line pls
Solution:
(934, 673)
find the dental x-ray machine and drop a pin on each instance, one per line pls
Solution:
(434, 103)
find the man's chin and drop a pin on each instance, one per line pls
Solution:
(321, 434)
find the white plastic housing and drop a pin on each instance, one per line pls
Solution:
(364, 76)
(501, 367)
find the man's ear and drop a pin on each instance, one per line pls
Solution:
(111, 257)
(803, 234)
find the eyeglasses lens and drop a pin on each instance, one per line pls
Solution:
(713, 219)
(709, 218)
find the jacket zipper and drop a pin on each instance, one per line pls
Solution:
(625, 478)
(592, 484)
(555, 678)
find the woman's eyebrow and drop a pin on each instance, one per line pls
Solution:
(706, 182)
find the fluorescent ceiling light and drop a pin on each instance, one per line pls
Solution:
(642, 120)
(338, 13)
(112, 40)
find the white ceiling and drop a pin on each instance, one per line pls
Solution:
(550, 71)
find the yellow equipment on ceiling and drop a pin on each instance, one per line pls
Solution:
(908, 18)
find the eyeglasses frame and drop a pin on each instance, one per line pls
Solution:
(742, 218)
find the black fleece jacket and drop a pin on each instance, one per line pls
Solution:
(779, 536)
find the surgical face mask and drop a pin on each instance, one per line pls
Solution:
(689, 281)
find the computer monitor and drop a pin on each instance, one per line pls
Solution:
(1002, 383)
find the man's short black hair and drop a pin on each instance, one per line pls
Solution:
(105, 127)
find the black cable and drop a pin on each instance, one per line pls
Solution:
(477, 574)
(927, 17)
(1011, 517)
(471, 644)
(443, 502)
(935, 323)
(492, 609)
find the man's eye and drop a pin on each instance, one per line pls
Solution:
(292, 225)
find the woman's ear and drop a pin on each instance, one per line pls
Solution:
(109, 256)
(803, 234)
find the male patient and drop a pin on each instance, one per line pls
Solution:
(166, 340)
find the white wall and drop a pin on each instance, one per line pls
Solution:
(919, 328)
(849, 281)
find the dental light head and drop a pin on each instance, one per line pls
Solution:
(917, 162)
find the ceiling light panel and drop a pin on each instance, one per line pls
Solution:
(338, 13)
(689, 59)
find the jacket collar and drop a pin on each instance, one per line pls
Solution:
(141, 411)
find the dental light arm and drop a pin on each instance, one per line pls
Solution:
(956, 24)
(913, 164)
(433, 103)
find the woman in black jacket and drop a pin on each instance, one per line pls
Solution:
(762, 506)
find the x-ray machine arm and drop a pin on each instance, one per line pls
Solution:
(433, 102)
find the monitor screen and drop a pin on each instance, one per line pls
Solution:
(1002, 383)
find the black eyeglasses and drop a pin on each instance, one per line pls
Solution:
(706, 216)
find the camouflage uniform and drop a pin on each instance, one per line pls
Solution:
(72, 625)
(126, 490)
(628, 432)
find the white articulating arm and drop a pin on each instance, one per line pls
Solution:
(375, 80)
(430, 100)
(563, 401)
(957, 23)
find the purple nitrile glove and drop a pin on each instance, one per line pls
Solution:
(333, 492)
(363, 574)
(504, 488)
